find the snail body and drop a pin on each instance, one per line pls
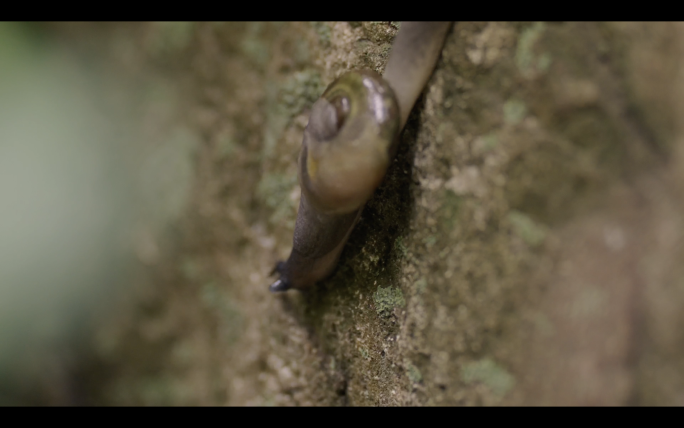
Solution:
(348, 144)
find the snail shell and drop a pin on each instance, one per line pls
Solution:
(345, 152)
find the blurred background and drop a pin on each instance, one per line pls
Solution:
(526, 247)
(82, 195)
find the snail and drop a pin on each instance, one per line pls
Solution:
(348, 144)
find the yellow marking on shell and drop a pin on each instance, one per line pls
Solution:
(311, 167)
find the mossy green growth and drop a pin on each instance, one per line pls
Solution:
(524, 55)
(491, 140)
(225, 146)
(301, 52)
(256, 50)
(514, 111)
(414, 375)
(489, 373)
(299, 91)
(421, 285)
(400, 246)
(324, 32)
(526, 228)
(252, 46)
(385, 51)
(285, 101)
(274, 191)
(430, 240)
(386, 299)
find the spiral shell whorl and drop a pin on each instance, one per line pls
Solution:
(346, 143)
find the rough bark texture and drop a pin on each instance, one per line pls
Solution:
(526, 246)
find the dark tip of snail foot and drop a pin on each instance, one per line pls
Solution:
(279, 286)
